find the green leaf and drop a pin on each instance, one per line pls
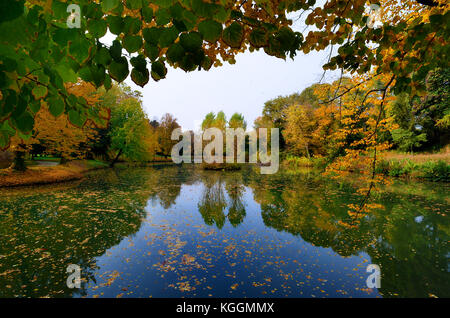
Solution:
(191, 41)
(118, 69)
(258, 38)
(56, 105)
(152, 35)
(204, 9)
(131, 25)
(162, 17)
(21, 106)
(62, 36)
(34, 106)
(437, 19)
(98, 74)
(151, 51)
(132, 43)
(107, 83)
(97, 27)
(102, 56)
(175, 53)
(10, 10)
(8, 102)
(159, 70)
(207, 63)
(139, 62)
(163, 3)
(233, 35)
(147, 14)
(108, 5)
(187, 63)
(25, 122)
(79, 49)
(168, 36)
(134, 4)
(286, 37)
(116, 24)
(76, 118)
(189, 19)
(92, 10)
(140, 77)
(116, 50)
(222, 14)
(211, 30)
(6, 132)
(85, 74)
(39, 92)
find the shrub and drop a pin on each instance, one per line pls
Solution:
(382, 167)
(436, 170)
(395, 169)
(296, 162)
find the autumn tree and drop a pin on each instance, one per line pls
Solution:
(237, 121)
(129, 133)
(299, 128)
(54, 134)
(220, 121)
(167, 125)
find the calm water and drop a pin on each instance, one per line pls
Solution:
(173, 231)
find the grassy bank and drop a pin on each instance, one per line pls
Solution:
(35, 175)
(221, 166)
(302, 162)
(433, 167)
(431, 170)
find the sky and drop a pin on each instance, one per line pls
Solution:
(243, 87)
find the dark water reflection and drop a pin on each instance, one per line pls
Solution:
(174, 231)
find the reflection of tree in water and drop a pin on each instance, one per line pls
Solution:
(412, 251)
(214, 202)
(165, 182)
(162, 182)
(41, 234)
(412, 247)
(235, 190)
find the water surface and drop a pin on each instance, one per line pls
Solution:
(171, 231)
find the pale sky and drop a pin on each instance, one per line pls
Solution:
(243, 87)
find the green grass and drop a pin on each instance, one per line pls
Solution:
(96, 164)
(303, 162)
(432, 170)
(47, 158)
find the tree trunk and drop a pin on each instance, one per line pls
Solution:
(19, 161)
(115, 159)
(307, 151)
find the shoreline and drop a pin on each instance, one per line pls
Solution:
(42, 175)
(71, 171)
(77, 170)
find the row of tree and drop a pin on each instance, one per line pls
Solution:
(128, 135)
(323, 121)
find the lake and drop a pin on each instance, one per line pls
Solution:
(178, 231)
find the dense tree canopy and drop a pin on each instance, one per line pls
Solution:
(165, 127)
